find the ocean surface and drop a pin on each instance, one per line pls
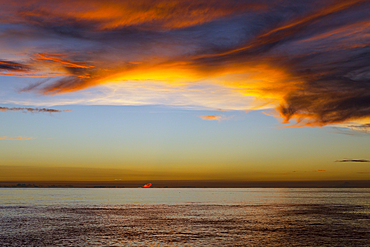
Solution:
(184, 217)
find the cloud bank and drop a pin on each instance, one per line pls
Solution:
(308, 60)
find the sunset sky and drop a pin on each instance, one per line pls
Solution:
(236, 90)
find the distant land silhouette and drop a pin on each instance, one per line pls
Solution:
(187, 184)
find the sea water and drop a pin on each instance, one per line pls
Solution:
(184, 217)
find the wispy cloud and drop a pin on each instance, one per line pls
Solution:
(308, 60)
(116, 15)
(353, 160)
(360, 127)
(19, 138)
(304, 171)
(66, 63)
(12, 66)
(214, 117)
(211, 117)
(27, 109)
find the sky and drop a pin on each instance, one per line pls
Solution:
(237, 90)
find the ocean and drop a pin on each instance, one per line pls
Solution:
(184, 217)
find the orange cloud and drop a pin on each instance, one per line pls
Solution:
(31, 75)
(110, 14)
(310, 66)
(19, 138)
(74, 64)
(212, 117)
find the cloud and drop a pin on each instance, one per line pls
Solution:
(115, 15)
(12, 66)
(27, 109)
(360, 127)
(66, 63)
(19, 138)
(211, 117)
(307, 60)
(305, 171)
(326, 85)
(353, 160)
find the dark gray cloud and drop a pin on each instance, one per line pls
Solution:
(28, 109)
(12, 66)
(353, 160)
